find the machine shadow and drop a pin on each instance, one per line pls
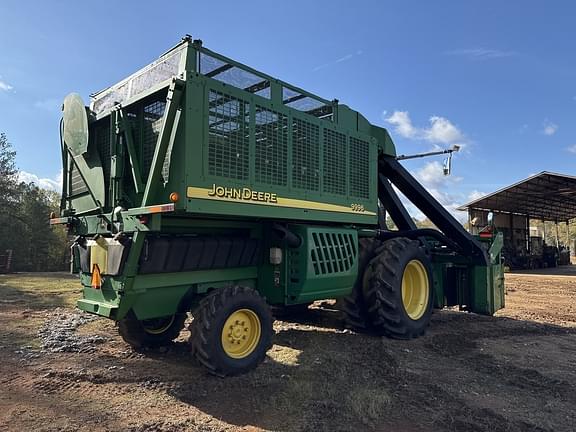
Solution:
(319, 377)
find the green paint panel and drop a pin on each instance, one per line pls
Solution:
(305, 157)
(324, 266)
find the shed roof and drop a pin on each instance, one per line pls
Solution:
(547, 196)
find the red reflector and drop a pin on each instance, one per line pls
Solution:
(486, 235)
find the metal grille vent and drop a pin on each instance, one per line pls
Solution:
(305, 158)
(332, 252)
(334, 162)
(77, 185)
(228, 136)
(359, 168)
(294, 266)
(271, 147)
(151, 127)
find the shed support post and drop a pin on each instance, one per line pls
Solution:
(512, 233)
(527, 236)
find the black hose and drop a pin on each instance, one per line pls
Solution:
(64, 167)
(292, 240)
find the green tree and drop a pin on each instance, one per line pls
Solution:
(39, 247)
(24, 220)
(8, 193)
(8, 172)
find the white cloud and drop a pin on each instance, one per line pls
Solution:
(52, 105)
(480, 54)
(549, 128)
(347, 57)
(4, 86)
(571, 149)
(54, 184)
(402, 124)
(441, 130)
(431, 175)
(475, 195)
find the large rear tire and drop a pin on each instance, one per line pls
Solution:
(231, 331)
(398, 289)
(152, 332)
(354, 305)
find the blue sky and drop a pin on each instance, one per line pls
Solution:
(497, 77)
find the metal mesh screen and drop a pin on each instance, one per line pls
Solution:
(151, 126)
(271, 146)
(359, 168)
(305, 156)
(334, 162)
(234, 75)
(228, 136)
(307, 104)
(156, 72)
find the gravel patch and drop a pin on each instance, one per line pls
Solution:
(58, 334)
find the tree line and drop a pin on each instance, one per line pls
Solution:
(24, 220)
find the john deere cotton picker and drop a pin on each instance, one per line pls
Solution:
(201, 185)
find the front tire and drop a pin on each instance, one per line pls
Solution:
(231, 331)
(150, 333)
(398, 289)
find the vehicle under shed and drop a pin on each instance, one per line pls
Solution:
(523, 212)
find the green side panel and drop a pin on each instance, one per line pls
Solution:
(158, 295)
(104, 301)
(476, 288)
(488, 282)
(158, 302)
(324, 266)
(263, 159)
(97, 307)
(438, 276)
(244, 144)
(488, 289)
(385, 143)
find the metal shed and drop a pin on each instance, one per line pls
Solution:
(547, 196)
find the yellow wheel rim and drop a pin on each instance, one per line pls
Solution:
(415, 289)
(157, 326)
(241, 333)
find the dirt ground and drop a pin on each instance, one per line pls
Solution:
(61, 370)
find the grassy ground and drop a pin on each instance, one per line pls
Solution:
(25, 298)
